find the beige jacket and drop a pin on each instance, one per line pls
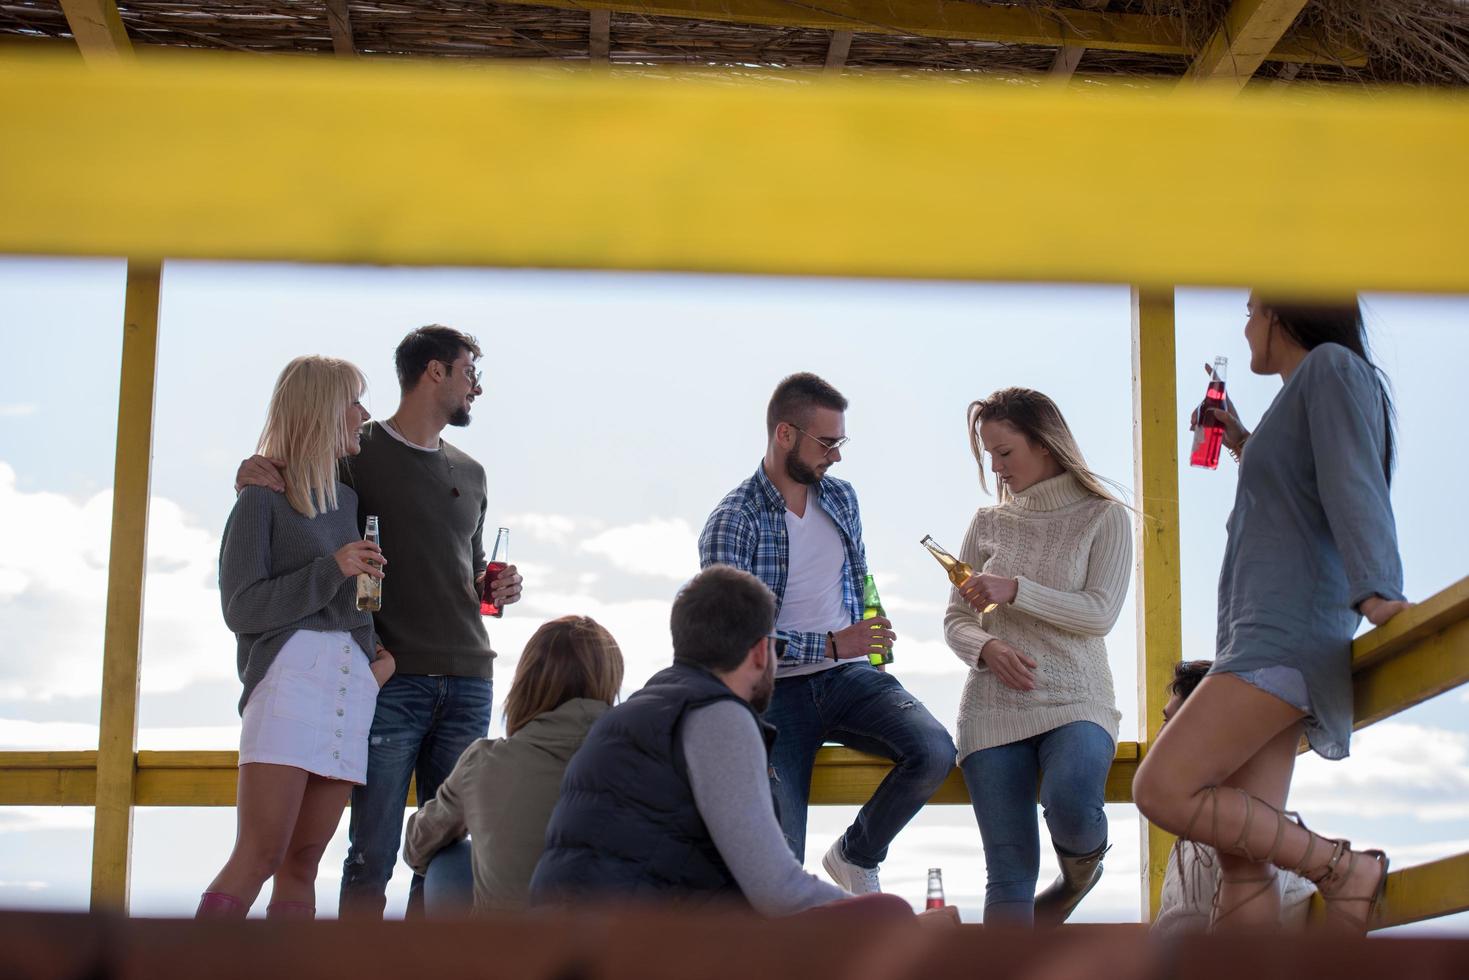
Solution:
(501, 793)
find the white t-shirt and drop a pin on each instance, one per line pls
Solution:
(813, 595)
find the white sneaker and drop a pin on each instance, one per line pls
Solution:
(857, 880)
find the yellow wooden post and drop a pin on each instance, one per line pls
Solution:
(112, 836)
(1159, 621)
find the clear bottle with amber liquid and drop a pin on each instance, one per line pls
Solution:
(958, 571)
(878, 654)
(370, 589)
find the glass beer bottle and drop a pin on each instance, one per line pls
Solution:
(369, 589)
(957, 570)
(499, 560)
(1209, 435)
(877, 654)
(935, 898)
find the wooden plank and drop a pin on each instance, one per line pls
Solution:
(1412, 626)
(98, 29)
(837, 51)
(1435, 664)
(118, 730)
(952, 19)
(1424, 891)
(1063, 66)
(1159, 603)
(696, 193)
(339, 20)
(1249, 31)
(600, 40)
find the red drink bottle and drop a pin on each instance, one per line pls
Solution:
(935, 898)
(1208, 434)
(499, 559)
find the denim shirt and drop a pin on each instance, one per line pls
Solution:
(748, 530)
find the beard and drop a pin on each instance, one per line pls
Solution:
(799, 471)
(760, 698)
(459, 417)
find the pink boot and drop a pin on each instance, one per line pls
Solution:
(290, 910)
(218, 905)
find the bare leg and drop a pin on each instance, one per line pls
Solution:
(1219, 730)
(321, 812)
(1248, 895)
(268, 801)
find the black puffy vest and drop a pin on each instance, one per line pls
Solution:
(625, 826)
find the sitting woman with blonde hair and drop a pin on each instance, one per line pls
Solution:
(502, 790)
(307, 656)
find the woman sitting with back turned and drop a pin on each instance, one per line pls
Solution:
(308, 657)
(503, 789)
(1051, 563)
(1312, 548)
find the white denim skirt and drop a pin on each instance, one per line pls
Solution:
(313, 710)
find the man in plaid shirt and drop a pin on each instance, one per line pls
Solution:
(799, 531)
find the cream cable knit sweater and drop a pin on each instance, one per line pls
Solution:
(1071, 552)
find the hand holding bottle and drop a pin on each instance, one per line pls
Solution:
(1235, 433)
(1014, 669)
(985, 591)
(360, 558)
(858, 639)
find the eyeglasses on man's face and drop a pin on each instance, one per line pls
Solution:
(470, 372)
(778, 645)
(830, 445)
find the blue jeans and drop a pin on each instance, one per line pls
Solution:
(1071, 764)
(867, 710)
(448, 888)
(421, 727)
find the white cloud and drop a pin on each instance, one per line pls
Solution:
(19, 410)
(53, 587)
(667, 548)
(551, 528)
(1396, 770)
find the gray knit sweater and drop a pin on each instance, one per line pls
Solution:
(277, 575)
(1072, 553)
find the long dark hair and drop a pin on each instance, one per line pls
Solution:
(1312, 325)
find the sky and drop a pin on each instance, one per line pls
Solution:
(618, 409)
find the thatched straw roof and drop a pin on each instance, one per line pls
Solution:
(1412, 41)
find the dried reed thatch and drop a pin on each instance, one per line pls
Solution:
(1407, 41)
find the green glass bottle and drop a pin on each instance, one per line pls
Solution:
(877, 655)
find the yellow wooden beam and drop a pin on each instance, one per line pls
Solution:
(1363, 192)
(1243, 40)
(118, 730)
(98, 28)
(1436, 664)
(1159, 608)
(950, 19)
(1412, 626)
(1063, 66)
(842, 777)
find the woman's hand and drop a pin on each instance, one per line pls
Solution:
(1014, 669)
(383, 666)
(1235, 432)
(985, 591)
(356, 557)
(1379, 610)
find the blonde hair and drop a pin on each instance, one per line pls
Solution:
(570, 657)
(306, 426)
(1037, 418)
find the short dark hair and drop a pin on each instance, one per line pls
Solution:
(434, 342)
(796, 396)
(1186, 676)
(718, 616)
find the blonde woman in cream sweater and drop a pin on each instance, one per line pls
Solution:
(1051, 563)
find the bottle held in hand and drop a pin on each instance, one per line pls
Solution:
(1208, 434)
(499, 561)
(877, 654)
(958, 571)
(369, 589)
(935, 899)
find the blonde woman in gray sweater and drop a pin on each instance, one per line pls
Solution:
(1051, 563)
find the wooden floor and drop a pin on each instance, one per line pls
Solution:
(647, 945)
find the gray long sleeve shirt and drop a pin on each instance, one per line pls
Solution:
(277, 575)
(727, 768)
(1311, 535)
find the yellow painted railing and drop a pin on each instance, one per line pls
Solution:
(436, 165)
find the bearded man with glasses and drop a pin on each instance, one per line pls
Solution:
(799, 531)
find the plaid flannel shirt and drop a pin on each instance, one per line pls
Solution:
(748, 530)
